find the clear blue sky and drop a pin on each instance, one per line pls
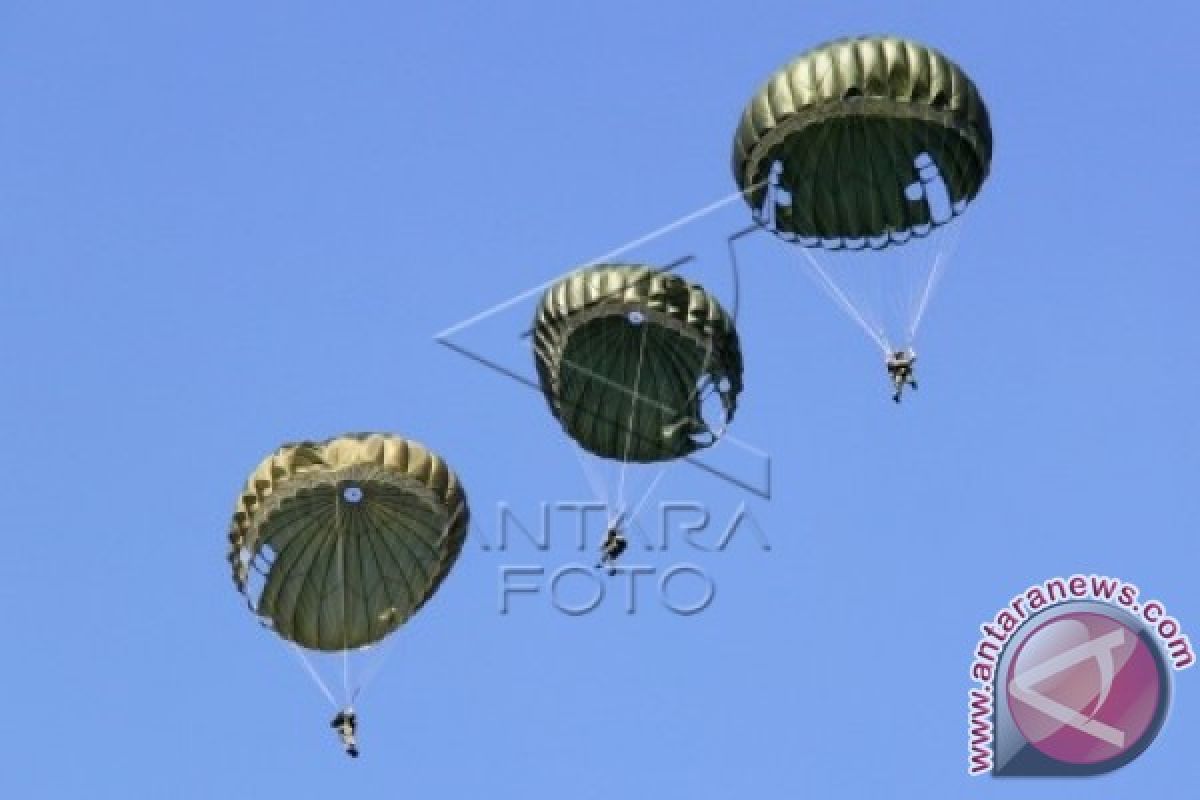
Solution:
(237, 224)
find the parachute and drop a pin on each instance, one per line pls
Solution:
(863, 151)
(336, 544)
(638, 365)
(626, 356)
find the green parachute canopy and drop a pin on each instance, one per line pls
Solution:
(626, 356)
(849, 131)
(335, 544)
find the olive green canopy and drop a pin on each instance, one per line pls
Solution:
(849, 123)
(337, 543)
(626, 356)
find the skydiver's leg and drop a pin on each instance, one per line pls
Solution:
(610, 560)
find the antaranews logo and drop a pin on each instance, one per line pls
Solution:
(1074, 678)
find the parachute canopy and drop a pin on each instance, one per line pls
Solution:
(626, 356)
(335, 544)
(849, 131)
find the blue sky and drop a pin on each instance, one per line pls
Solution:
(232, 225)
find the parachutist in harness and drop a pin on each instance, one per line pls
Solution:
(345, 723)
(900, 368)
(614, 545)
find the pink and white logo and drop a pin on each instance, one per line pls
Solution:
(1073, 677)
(1084, 688)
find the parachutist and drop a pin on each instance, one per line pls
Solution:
(900, 368)
(913, 144)
(614, 545)
(346, 723)
(408, 494)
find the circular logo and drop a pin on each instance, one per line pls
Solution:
(1085, 688)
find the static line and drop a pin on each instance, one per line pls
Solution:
(840, 297)
(939, 267)
(649, 491)
(597, 483)
(312, 673)
(938, 264)
(370, 673)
